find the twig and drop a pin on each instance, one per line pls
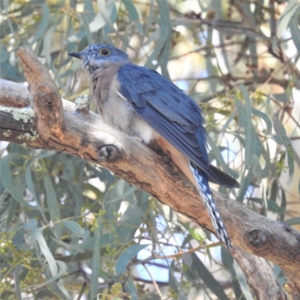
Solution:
(153, 281)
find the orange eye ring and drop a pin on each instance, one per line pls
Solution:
(104, 52)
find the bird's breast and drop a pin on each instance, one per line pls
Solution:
(114, 109)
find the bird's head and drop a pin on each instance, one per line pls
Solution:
(99, 55)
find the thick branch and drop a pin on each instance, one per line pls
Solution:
(86, 136)
(45, 99)
(11, 94)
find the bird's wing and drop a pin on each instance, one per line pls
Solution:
(167, 109)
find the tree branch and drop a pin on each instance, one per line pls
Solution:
(56, 124)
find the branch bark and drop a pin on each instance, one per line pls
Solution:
(52, 123)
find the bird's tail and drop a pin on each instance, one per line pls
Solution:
(205, 192)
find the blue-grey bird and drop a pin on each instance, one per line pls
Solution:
(142, 103)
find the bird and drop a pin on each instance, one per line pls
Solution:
(144, 104)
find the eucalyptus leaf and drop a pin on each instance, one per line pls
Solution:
(131, 289)
(133, 14)
(74, 227)
(293, 221)
(249, 146)
(281, 134)
(43, 24)
(51, 198)
(295, 31)
(95, 263)
(199, 268)
(126, 256)
(8, 182)
(52, 263)
(286, 16)
(242, 281)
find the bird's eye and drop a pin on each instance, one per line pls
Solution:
(104, 51)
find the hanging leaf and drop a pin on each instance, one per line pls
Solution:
(286, 16)
(126, 256)
(95, 263)
(7, 181)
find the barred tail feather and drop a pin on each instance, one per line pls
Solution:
(204, 190)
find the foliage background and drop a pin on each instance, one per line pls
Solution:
(238, 60)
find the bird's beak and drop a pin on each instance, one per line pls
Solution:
(78, 55)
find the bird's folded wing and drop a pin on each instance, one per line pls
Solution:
(167, 109)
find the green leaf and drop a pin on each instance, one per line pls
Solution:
(31, 188)
(69, 170)
(293, 221)
(283, 203)
(149, 21)
(266, 170)
(272, 206)
(51, 198)
(31, 224)
(44, 294)
(249, 140)
(77, 198)
(105, 14)
(219, 156)
(265, 117)
(245, 182)
(13, 206)
(51, 262)
(228, 263)
(286, 17)
(242, 281)
(274, 190)
(133, 15)
(211, 72)
(7, 181)
(231, 117)
(182, 296)
(277, 270)
(195, 235)
(295, 32)
(172, 280)
(95, 263)
(103, 174)
(126, 256)
(282, 280)
(112, 200)
(165, 33)
(47, 43)
(47, 47)
(129, 223)
(43, 24)
(130, 288)
(85, 26)
(17, 281)
(74, 227)
(199, 268)
(62, 269)
(46, 251)
(284, 140)
(96, 20)
(283, 97)
(84, 245)
(45, 153)
(256, 166)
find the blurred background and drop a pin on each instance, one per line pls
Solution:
(238, 59)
